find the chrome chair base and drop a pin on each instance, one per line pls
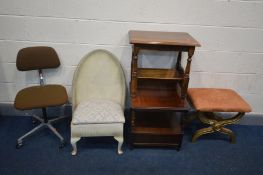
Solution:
(43, 124)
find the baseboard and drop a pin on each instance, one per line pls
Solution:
(9, 110)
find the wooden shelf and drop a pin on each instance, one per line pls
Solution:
(166, 121)
(157, 129)
(161, 95)
(156, 125)
(165, 74)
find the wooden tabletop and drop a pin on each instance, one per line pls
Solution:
(162, 38)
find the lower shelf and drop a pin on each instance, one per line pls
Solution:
(157, 140)
(156, 129)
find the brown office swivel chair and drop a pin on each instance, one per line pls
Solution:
(42, 96)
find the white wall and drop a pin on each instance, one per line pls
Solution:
(230, 32)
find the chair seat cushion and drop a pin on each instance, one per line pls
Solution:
(40, 96)
(97, 112)
(217, 100)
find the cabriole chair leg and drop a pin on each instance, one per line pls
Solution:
(74, 146)
(120, 142)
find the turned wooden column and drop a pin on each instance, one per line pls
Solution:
(134, 65)
(187, 72)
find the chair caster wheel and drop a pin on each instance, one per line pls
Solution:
(19, 145)
(62, 144)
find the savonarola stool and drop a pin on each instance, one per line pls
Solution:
(209, 101)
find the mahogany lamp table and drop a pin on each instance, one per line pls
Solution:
(158, 95)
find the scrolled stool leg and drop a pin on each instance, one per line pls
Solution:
(201, 132)
(229, 133)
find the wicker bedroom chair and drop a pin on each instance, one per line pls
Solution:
(98, 97)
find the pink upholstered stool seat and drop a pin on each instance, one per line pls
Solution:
(217, 100)
(206, 101)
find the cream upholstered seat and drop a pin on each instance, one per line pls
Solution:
(98, 111)
(98, 97)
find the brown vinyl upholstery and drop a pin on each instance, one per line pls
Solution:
(40, 57)
(40, 96)
(217, 100)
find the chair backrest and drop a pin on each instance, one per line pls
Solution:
(99, 75)
(40, 57)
